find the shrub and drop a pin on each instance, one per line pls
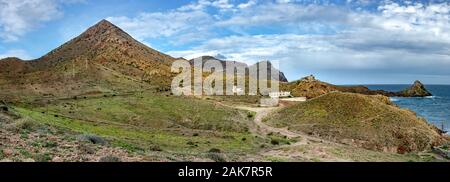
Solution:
(216, 157)
(12, 128)
(2, 155)
(214, 150)
(190, 143)
(86, 149)
(155, 148)
(280, 140)
(109, 158)
(274, 141)
(26, 124)
(445, 147)
(3, 108)
(250, 114)
(92, 139)
(50, 144)
(42, 157)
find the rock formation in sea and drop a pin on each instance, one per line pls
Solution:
(310, 87)
(416, 90)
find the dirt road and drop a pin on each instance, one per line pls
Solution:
(306, 148)
(262, 128)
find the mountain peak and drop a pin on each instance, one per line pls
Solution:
(105, 24)
(418, 83)
(104, 28)
(104, 21)
(105, 42)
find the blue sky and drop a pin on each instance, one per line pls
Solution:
(342, 42)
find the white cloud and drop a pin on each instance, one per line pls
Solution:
(173, 23)
(408, 38)
(285, 13)
(17, 17)
(258, 47)
(22, 54)
(247, 4)
(202, 4)
(305, 54)
(222, 4)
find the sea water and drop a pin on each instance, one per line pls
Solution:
(436, 108)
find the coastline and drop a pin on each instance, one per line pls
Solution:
(429, 107)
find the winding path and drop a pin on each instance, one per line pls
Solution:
(262, 128)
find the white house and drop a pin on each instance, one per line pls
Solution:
(279, 94)
(237, 90)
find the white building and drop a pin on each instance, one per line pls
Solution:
(279, 94)
(238, 91)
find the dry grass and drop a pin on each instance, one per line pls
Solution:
(366, 121)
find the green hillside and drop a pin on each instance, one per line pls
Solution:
(371, 122)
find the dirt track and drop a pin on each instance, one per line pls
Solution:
(262, 128)
(317, 146)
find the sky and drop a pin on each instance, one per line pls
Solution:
(341, 42)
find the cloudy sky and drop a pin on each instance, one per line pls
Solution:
(342, 42)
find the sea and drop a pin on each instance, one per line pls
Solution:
(435, 109)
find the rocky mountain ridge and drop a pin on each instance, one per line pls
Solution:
(281, 78)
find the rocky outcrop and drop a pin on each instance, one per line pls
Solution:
(310, 78)
(204, 59)
(416, 90)
(270, 67)
(310, 87)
